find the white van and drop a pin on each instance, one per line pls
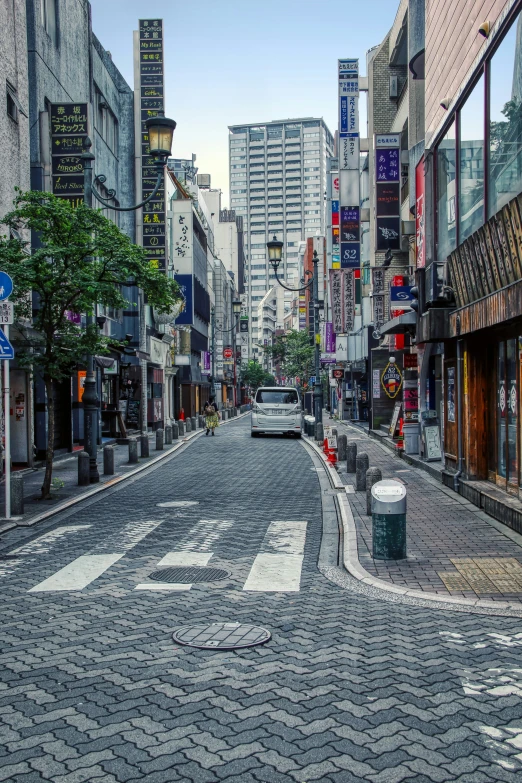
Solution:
(276, 409)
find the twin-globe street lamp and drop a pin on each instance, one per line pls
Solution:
(275, 252)
(160, 131)
(236, 309)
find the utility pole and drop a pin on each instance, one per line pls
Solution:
(318, 389)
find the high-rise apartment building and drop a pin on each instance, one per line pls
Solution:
(277, 183)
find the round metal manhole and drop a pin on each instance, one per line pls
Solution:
(221, 636)
(189, 574)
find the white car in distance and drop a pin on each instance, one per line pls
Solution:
(276, 409)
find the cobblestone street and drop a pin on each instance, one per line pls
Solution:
(351, 686)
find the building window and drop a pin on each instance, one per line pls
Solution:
(505, 122)
(14, 106)
(446, 233)
(471, 163)
(50, 19)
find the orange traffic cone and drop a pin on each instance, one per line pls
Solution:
(400, 440)
(182, 415)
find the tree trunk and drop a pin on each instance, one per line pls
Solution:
(49, 451)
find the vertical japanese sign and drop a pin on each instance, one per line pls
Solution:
(69, 128)
(348, 299)
(336, 250)
(387, 175)
(152, 103)
(420, 247)
(336, 299)
(349, 195)
(329, 338)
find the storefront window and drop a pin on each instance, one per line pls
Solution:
(471, 163)
(446, 234)
(512, 408)
(505, 123)
(501, 411)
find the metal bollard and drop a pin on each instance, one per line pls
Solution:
(194, 423)
(83, 469)
(389, 520)
(133, 451)
(362, 464)
(159, 440)
(17, 494)
(373, 475)
(351, 457)
(181, 428)
(319, 432)
(144, 445)
(342, 442)
(201, 422)
(168, 435)
(188, 425)
(175, 431)
(108, 460)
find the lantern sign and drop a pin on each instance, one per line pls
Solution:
(391, 380)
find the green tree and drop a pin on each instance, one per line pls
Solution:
(82, 259)
(254, 375)
(295, 355)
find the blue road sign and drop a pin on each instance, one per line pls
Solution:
(6, 349)
(6, 286)
(312, 380)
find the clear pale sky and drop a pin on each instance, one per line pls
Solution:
(230, 62)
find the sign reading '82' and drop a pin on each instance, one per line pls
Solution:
(350, 255)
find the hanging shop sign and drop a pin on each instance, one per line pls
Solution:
(349, 147)
(69, 129)
(348, 299)
(336, 300)
(387, 176)
(151, 96)
(391, 380)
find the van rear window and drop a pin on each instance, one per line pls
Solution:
(273, 397)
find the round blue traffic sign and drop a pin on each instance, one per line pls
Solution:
(6, 286)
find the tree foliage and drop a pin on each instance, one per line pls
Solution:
(295, 355)
(81, 259)
(254, 375)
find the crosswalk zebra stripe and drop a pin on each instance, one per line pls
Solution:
(162, 586)
(78, 574)
(185, 558)
(278, 567)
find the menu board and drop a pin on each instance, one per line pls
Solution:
(432, 442)
(152, 103)
(395, 418)
(69, 128)
(133, 413)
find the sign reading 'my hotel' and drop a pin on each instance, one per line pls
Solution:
(150, 88)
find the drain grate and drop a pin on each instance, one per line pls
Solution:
(221, 636)
(189, 574)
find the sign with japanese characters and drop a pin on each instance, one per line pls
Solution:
(348, 299)
(329, 337)
(378, 279)
(69, 129)
(151, 90)
(336, 300)
(391, 380)
(420, 247)
(349, 149)
(378, 310)
(387, 176)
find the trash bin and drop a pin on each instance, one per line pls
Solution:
(389, 520)
(411, 437)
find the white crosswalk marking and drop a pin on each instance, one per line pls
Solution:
(85, 569)
(183, 558)
(278, 567)
(43, 543)
(78, 574)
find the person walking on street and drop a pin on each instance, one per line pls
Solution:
(211, 415)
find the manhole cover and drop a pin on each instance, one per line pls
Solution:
(221, 636)
(189, 574)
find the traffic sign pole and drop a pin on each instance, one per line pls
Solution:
(7, 433)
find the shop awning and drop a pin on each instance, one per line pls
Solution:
(400, 325)
(105, 361)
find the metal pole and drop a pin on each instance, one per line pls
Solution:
(318, 390)
(90, 395)
(213, 342)
(353, 394)
(7, 434)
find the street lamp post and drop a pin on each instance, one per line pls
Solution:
(236, 309)
(275, 250)
(160, 130)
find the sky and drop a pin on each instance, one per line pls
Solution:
(229, 62)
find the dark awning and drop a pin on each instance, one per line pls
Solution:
(400, 325)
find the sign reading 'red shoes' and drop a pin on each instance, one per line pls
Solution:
(69, 128)
(150, 89)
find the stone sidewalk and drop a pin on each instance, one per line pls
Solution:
(454, 548)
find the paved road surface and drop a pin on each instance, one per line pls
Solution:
(350, 688)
